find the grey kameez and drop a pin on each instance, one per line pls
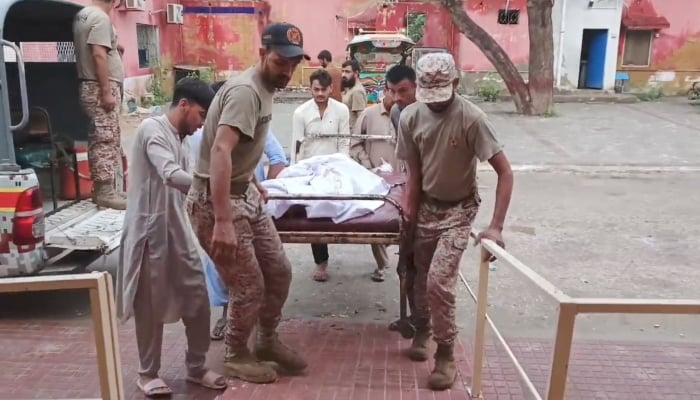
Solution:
(160, 277)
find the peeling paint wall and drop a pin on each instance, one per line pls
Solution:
(325, 24)
(675, 55)
(222, 33)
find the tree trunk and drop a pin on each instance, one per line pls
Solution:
(541, 69)
(494, 53)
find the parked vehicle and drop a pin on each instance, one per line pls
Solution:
(418, 52)
(377, 51)
(41, 125)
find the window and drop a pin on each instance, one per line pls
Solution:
(148, 45)
(637, 51)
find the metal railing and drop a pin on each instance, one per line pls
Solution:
(104, 319)
(569, 308)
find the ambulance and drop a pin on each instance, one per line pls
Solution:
(42, 148)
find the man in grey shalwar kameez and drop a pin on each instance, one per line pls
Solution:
(161, 278)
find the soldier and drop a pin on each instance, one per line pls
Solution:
(226, 207)
(440, 137)
(101, 75)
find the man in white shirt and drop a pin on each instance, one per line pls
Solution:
(312, 120)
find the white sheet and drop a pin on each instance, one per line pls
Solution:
(327, 174)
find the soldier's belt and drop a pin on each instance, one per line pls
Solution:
(202, 184)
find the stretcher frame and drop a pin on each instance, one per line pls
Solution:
(326, 237)
(404, 324)
(352, 138)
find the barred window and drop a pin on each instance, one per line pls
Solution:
(148, 44)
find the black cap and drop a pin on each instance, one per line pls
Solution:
(285, 39)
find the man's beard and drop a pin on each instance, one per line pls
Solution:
(347, 83)
(277, 82)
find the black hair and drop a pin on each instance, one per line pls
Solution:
(354, 64)
(325, 55)
(399, 72)
(322, 76)
(217, 85)
(193, 90)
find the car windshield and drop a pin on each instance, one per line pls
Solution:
(373, 58)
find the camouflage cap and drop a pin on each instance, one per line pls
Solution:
(435, 73)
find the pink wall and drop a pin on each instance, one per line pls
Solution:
(675, 57)
(678, 46)
(317, 21)
(228, 40)
(513, 38)
(322, 30)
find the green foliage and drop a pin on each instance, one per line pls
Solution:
(208, 74)
(415, 26)
(160, 96)
(651, 94)
(489, 89)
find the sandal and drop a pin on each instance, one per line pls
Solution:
(210, 380)
(219, 328)
(154, 388)
(321, 275)
(378, 275)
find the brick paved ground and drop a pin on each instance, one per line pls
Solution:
(56, 359)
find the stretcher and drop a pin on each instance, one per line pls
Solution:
(387, 225)
(383, 226)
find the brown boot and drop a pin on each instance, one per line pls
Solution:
(104, 195)
(419, 346)
(445, 371)
(243, 365)
(269, 348)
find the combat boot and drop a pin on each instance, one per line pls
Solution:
(269, 348)
(419, 345)
(445, 371)
(243, 365)
(104, 195)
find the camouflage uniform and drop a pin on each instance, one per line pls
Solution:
(93, 27)
(441, 236)
(259, 282)
(104, 139)
(258, 272)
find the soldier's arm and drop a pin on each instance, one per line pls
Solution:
(237, 123)
(100, 41)
(481, 135)
(407, 150)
